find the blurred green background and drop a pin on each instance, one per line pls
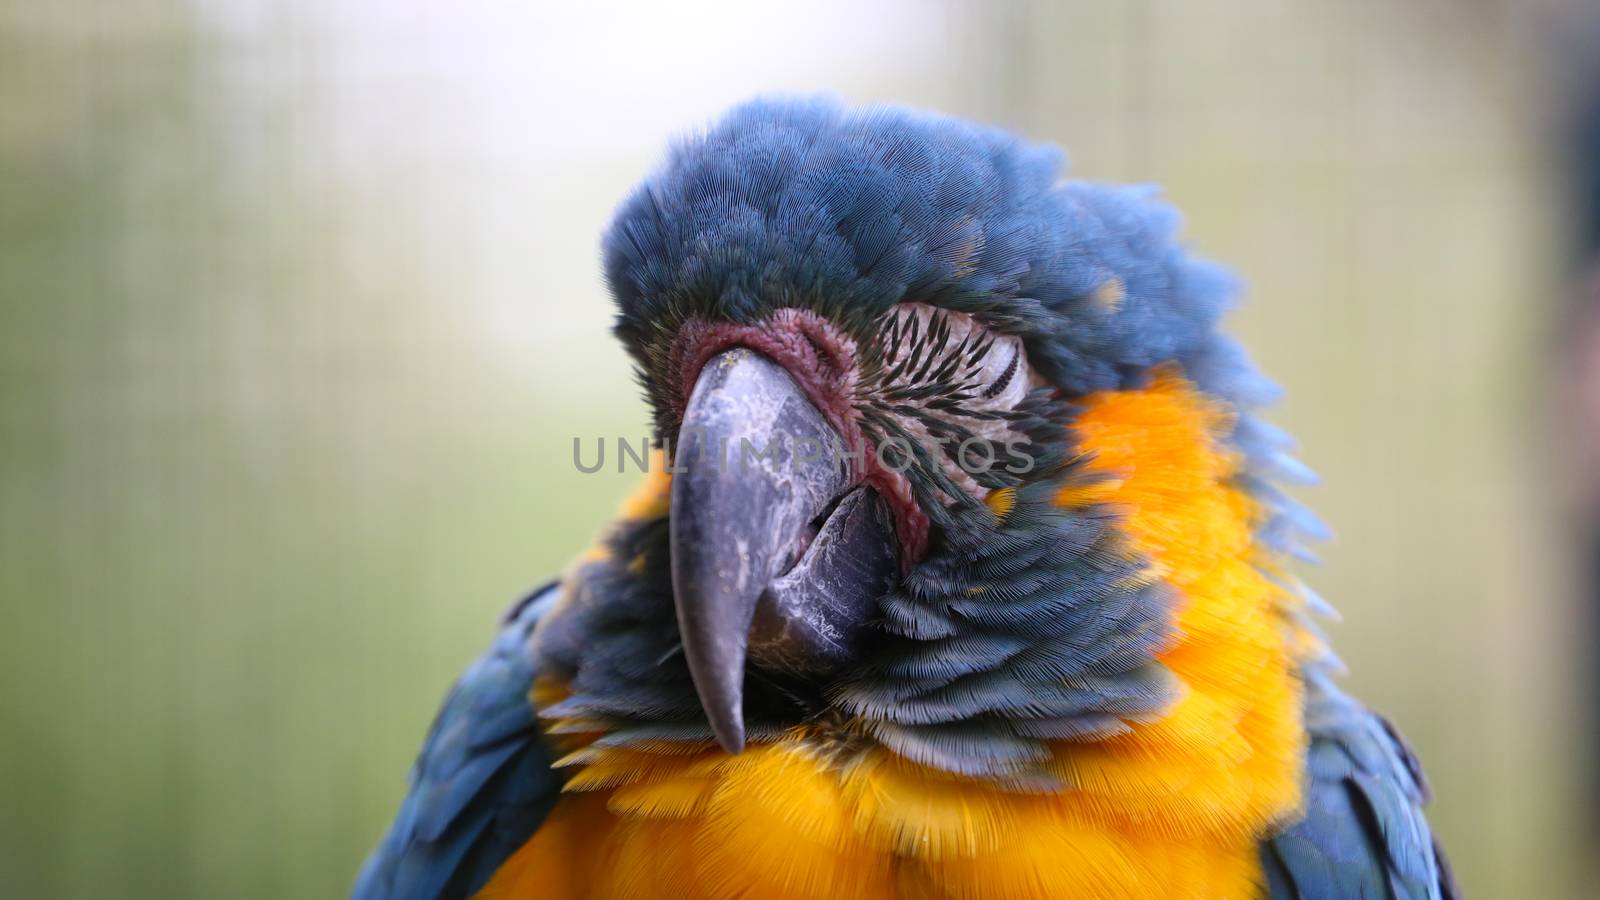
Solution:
(300, 312)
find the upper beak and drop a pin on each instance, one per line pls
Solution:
(756, 468)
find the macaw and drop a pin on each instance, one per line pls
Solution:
(959, 571)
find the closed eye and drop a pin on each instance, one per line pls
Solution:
(1000, 383)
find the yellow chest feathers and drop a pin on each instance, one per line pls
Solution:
(1172, 808)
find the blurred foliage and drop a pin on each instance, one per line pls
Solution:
(299, 316)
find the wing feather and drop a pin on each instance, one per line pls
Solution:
(482, 782)
(1364, 833)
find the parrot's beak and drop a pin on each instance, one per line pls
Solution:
(777, 555)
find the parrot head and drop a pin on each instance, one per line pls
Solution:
(864, 336)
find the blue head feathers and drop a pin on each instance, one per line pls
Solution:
(808, 203)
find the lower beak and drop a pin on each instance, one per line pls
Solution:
(767, 535)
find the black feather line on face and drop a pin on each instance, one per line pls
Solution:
(918, 375)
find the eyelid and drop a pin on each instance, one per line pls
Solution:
(1000, 383)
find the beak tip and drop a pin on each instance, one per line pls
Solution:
(732, 743)
(729, 731)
